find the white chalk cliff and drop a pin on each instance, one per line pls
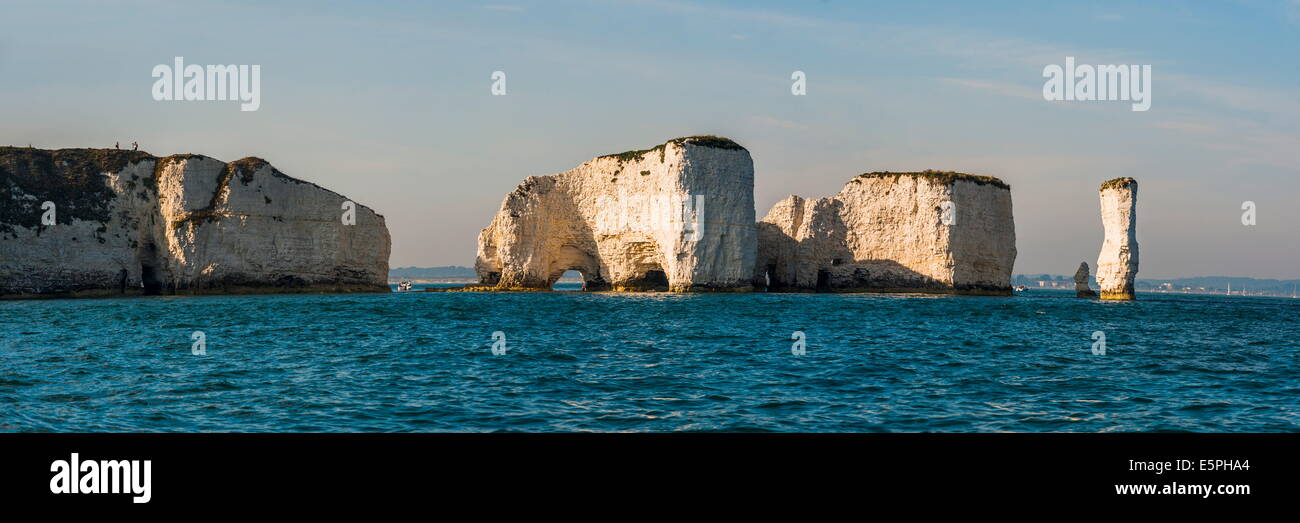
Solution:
(923, 231)
(1117, 265)
(127, 222)
(679, 217)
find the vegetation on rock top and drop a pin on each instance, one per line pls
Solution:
(943, 177)
(245, 167)
(704, 140)
(1118, 183)
(708, 140)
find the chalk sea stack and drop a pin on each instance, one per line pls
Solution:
(127, 222)
(1081, 288)
(931, 231)
(677, 217)
(1117, 265)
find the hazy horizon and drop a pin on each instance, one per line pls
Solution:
(390, 105)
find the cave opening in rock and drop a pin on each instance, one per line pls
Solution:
(571, 280)
(150, 274)
(823, 280)
(656, 279)
(149, 278)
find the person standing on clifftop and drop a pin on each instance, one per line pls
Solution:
(135, 145)
(117, 145)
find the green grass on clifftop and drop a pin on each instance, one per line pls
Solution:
(943, 177)
(704, 140)
(1118, 183)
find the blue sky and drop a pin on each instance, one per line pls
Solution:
(389, 104)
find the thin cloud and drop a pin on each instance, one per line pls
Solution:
(1007, 52)
(770, 121)
(1239, 97)
(1185, 126)
(713, 11)
(1004, 89)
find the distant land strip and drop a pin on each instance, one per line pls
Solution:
(1197, 284)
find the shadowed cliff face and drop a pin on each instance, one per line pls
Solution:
(127, 222)
(888, 232)
(678, 217)
(71, 177)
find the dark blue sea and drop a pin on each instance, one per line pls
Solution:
(573, 361)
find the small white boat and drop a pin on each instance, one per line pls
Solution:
(404, 285)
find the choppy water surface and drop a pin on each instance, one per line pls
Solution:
(650, 362)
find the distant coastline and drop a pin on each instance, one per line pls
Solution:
(1190, 285)
(448, 274)
(1238, 285)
